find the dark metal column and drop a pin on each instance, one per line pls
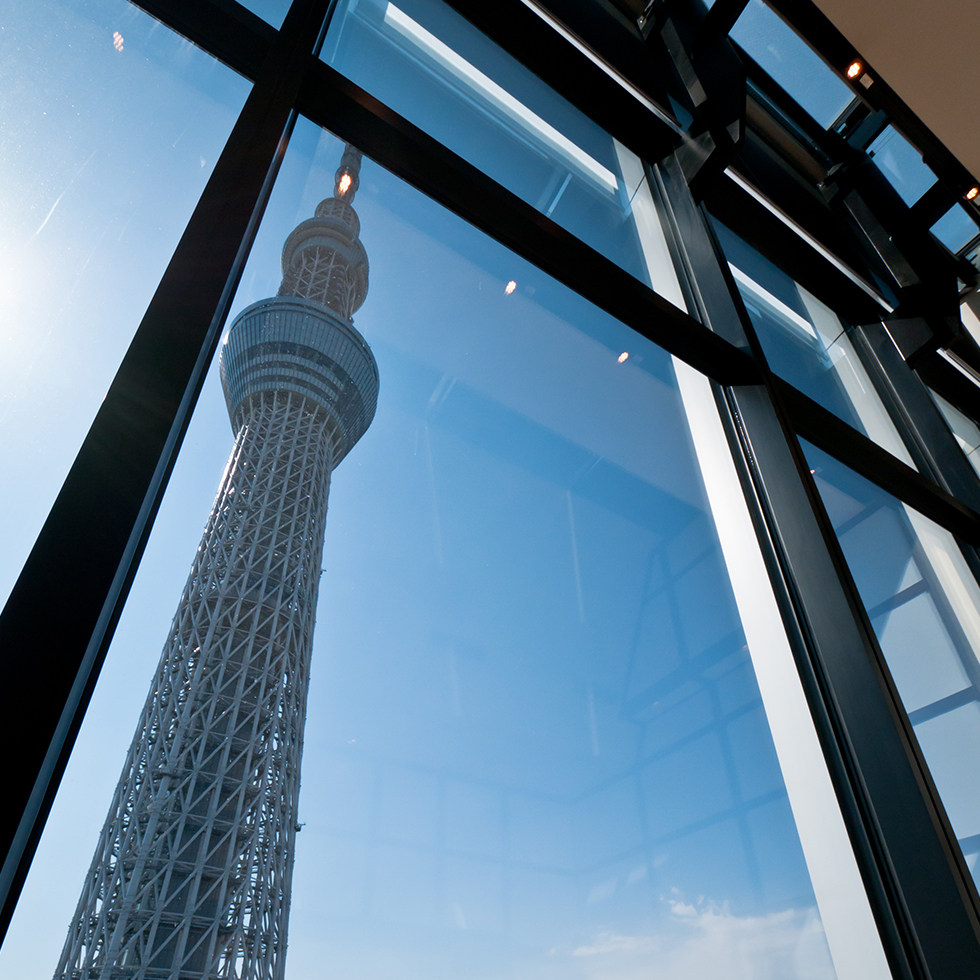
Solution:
(906, 850)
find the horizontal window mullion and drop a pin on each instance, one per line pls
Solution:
(227, 31)
(578, 79)
(817, 425)
(332, 101)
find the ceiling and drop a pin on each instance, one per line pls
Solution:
(928, 51)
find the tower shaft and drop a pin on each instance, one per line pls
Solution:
(192, 873)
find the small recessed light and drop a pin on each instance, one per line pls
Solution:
(972, 193)
(854, 69)
(510, 287)
(622, 357)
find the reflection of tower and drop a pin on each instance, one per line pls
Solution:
(191, 878)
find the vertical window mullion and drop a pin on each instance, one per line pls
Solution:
(909, 869)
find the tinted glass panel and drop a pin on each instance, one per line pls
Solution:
(955, 229)
(777, 48)
(110, 127)
(924, 605)
(535, 744)
(805, 343)
(902, 164)
(433, 67)
(271, 11)
(964, 429)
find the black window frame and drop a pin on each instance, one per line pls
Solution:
(83, 564)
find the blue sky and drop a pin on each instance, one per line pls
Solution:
(535, 742)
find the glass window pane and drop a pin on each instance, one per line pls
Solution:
(110, 128)
(791, 62)
(902, 165)
(970, 321)
(536, 742)
(271, 11)
(432, 66)
(924, 605)
(964, 429)
(955, 229)
(806, 344)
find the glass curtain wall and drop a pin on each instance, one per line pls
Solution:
(806, 343)
(555, 725)
(921, 595)
(531, 747)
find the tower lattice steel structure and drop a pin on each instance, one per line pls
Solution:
(191, 877)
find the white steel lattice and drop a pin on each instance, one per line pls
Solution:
(191, 877)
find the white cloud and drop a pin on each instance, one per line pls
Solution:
(708, 942)
(608, 942)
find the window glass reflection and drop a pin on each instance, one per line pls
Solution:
(535, 740)
(902, 165)
(964, 429)
(432, 66)
(955, 229)
(806, 343)
(111, 127)
(271, 11)
(924, 604)
(791, 62)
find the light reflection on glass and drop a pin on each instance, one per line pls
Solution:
(956, 228)
(489, 91)
(807, 345)
(902, 165)
(924, 603)
(792, 63)
(964, 429)
(432, 66)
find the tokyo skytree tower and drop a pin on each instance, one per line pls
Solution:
(191, 878)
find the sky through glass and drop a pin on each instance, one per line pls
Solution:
(791, 62)
(533, 747)
(111, 125)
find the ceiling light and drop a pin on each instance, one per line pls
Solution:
(854, 69)
(972, 193)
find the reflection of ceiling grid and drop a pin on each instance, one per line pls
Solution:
(591, 869)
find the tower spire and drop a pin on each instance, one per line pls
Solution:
(347, 178)
(323, 260)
